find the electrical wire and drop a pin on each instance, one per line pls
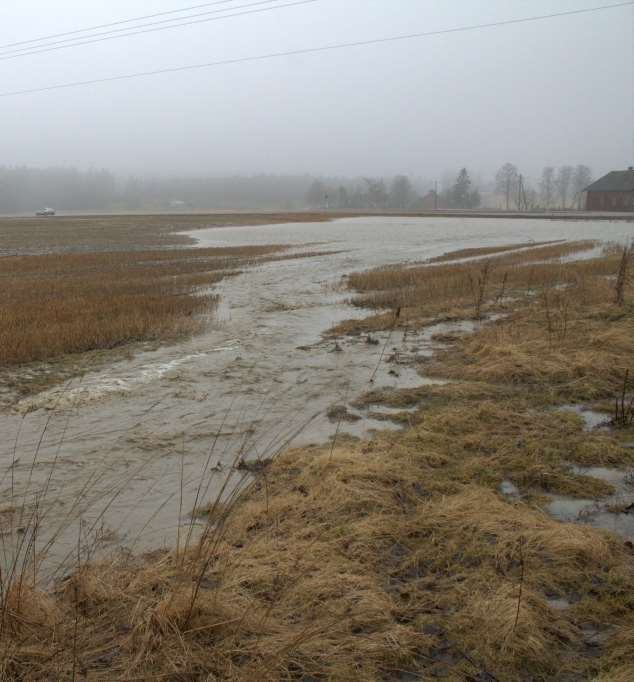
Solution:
(95, 38)
(116, 23)
(316, 50)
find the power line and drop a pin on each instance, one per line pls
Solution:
(116, 23)
(315, 50)
(24, 51)
(95, 38)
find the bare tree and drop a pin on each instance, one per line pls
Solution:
(401, 192)
(581, 178)
(344, 198)
(377, 193)
(531, 198)
(547, 187)
(316, 195)
(506, 182)
(563, 182)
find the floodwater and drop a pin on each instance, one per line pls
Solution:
(613, 513)
(116, 457)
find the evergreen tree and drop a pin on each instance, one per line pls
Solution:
(461, 195)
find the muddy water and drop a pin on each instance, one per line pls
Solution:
(104, 456)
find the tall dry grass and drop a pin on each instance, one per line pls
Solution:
(365, 562)
(391, 559)
(58, 304)
(439, 289)
(480, 251)
(76, 234)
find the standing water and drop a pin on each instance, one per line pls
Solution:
(107, 452)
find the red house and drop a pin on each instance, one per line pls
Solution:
(612, 192)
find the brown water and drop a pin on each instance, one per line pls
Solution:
(110, 448)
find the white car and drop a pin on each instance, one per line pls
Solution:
(46, 211)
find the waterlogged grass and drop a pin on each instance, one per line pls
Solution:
(471, 288)
(397, 558)
(57, 304)
(360, 562)
(480, 251)
(72, 234)
(92, 283)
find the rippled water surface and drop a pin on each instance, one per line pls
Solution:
(113, 446)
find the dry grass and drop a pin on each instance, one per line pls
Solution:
(125, 232)
(366, 563)
(444, 289)
(562, 334)
(396, 558)
(569, 340)
(71, 303)
(94, 283)
(480, 251)
(587, 363)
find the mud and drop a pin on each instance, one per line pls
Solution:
(103, 456)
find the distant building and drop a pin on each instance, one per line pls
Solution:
(612, 192)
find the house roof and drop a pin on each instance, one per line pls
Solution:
(616, 181)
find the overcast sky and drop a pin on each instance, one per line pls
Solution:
(549, 92)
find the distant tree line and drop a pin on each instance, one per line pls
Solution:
(24, 190)
(396, 194)
(559, 188)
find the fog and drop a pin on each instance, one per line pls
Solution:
(552, 92)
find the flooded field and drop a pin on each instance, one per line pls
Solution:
(120, 452)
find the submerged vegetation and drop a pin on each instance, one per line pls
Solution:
(77, 234)
(449, 290)
(57, 304)
(93, 284)
(400, 558)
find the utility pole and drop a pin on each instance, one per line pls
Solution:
(435, 195)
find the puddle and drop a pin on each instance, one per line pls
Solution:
(592, 419)
(619, 478)
(509, 489)
(609, 513)
(321, 430)
(392, 411)
(559, 603)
